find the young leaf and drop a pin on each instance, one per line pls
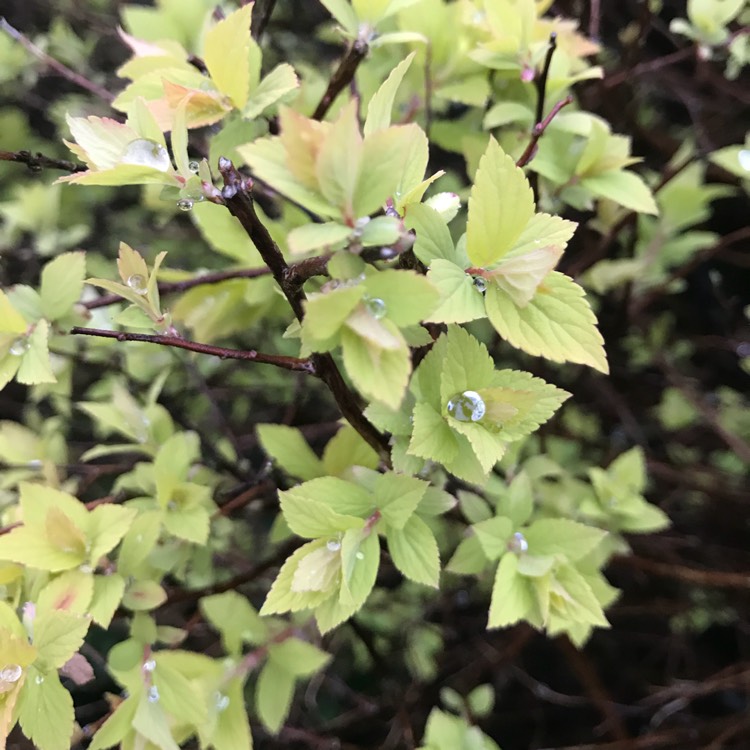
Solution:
(512, 597)
(273, 695)
(415, 551)
(62, 283)
(557, 324)
(500, 206)
(460, 299)
(290, 450)
(397, 496)
(381, 105)
(35, 363)
(433, 236)
(298, 657)
(57, 636)
(561, 536)
(493, 536)
(623, 187)
(308, 508)
(45, 711)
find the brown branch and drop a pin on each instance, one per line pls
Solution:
(56, 65)
(538, 131)
(286, 363)
(541, 86)
(342, 76)
(711, 578)
(38, 161)
(262, 10)
(238, 199)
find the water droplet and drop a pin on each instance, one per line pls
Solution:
(467, 407)
(221, 701)
(185, 204)
(376, 307)
(137, 283)
(139, 538)
(360, 224)
(743, 349)
(35, 463)
(360, 555)
(744, 159)
(19, 347)
(10, 673)
(146, 153)
(517, 543)
(194, 166)
(149, 666)
(333, 545)
(153, 694)
(39, 679)
(480, 284)
(85, 568)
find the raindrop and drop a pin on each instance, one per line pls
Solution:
(146, 153)
(137, 283)
(333, 545)
(518, 543)
(10, 673)
(185, 204)
(480, 284)
(467, 407)
(39, 679)
(221, 701)
(193, 166)
(153, 694)
(149, 666)
(744, 159)
(360, 555)
(19, 347)
(376, 307)
(743, 349)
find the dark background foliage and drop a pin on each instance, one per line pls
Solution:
(674, 670)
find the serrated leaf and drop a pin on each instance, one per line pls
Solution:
(329, 235)
(347, 449)
(232, 730)
(414, 551)
(381, 104)
(108, 592)
(500, 205)
(326, 313)
(35, 365)
(45, 711)
(274, 87)
(557, 323)
(151, 721)
(623, 187)
(561, 536)
(62, 283)
(493, 535)
(466, 365)
(310, 516)
(433, 236)
(117, 725)
(289, 449)
(460, 300)
(343, 12)
(108, 524)
(488, 447)
(189, 523)
(29, 547)
(408, 296)
(512, 598)
(71, 591)
(273, 695)
(397, 496)
(432, 438)
(58, 635)
(225, 52)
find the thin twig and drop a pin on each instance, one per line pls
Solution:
(237, 197)
(541, 85)
(538, 131)
(286, 363)
(262, 10)
(38, 161)
(342, 76)
(56, 65)
(711, 578)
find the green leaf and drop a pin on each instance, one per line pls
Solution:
(330, 235)
(623, 187)
(433, 236)
(308, 509)
(347, 449)
(381, 104)
(115, 728)
(298, 657)
(224, 233)
(178, 695)
(326, 313)
(274, 87)
(408, 296)
(343, 12)
(28, 546)
(45, 711)
(557, 324)
(108, 591)
(500, 206)
(493, 536)
(466, 365)
(226, 50)
(273, 695)
(289, 449)
(71, 591)
(35, 364)
(432, 438)
(58, 635)
(512, 597)
(517, 503)
(142, 596)
(151, 721)
(108, 524)
(469, 558)
(191, 523)
(414, 551)
(232, 731)
(62, 283)
(397, 496)
(11, 321)
(235, 618)
(460, 300)
(561, 536)
(576, 601)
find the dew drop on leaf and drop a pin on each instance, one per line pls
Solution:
(376, 307)
(153, 694)
(221, 701)
(744, 159)
(39, 679)
(19, 347)
(480, 284)
(185, 204)
(467, 407)
(146, 153)
(137, 283)
(333, 545)
(193, 166)
(149, 666)
(360, 555)
(10, 673)
(517, 543)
